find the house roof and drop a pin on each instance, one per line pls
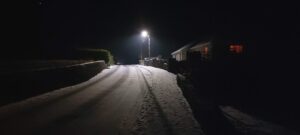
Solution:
(199, 44)
(184, 48)
(206, 39)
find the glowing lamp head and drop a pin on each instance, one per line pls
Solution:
(144, 33)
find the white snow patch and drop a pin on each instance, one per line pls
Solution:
(253, 126)
(13, 108)
(171, 102)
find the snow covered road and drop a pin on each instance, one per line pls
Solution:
(130, 99)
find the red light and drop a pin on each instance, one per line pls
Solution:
(205, 51)
(236, 48)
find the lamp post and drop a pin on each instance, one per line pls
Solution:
(146, 35)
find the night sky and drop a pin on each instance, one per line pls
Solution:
(117, 25)
(50, 27)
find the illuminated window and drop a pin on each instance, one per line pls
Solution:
(204, 50)
(236, 48)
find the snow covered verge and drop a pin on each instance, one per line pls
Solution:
(218, 119)
(41, 100)
(249, 125)
(23, 84)
(164, 109)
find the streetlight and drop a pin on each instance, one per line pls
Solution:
(145, 34)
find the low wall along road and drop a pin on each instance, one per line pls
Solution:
(16, 86)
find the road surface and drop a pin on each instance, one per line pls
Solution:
(129, 99)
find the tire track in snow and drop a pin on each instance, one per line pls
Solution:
(150, 97)
(146, 70)
(54, 100)
(172, 102)
(85, 108)
(9, 122)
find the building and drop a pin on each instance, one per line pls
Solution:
(210, 50)
(181, 54)
(204, 48)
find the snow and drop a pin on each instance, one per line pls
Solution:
(129, 99)
(44, 98)
(250, 125)
(171, 106)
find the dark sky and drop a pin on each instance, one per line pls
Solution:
(55, 26)
(116, 25)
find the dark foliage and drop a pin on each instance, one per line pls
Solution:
(96, 54)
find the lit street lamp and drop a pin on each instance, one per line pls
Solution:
(145, 34)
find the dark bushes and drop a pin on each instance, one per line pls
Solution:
(96, 54)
